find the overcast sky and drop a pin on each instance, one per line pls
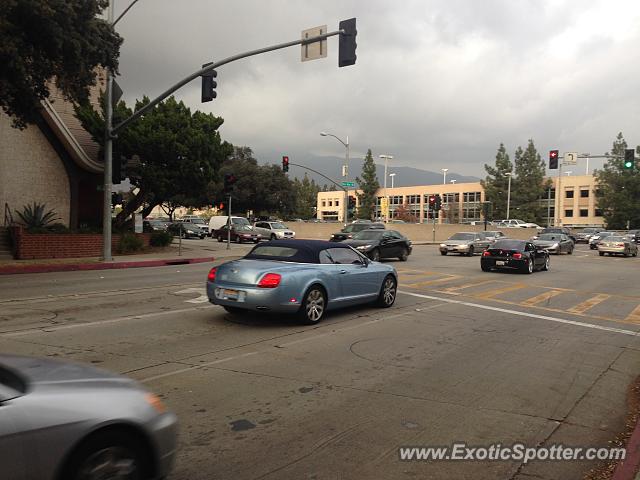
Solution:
(437, 83)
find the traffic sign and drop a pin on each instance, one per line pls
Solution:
(570, 158)
(348, 184)
(314, 50)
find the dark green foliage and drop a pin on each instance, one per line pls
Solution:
(306, 197)
(43, 40)
(129, 243)
(619, 197)
(160, 239)
(369, 186)
(496, 183)
(35, 216)
(529, 186)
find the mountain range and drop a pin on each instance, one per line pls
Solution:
(404, 176)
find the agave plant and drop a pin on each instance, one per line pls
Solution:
(35, 216)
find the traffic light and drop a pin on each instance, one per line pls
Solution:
(432, 201)
(229, 180)
(347, 44)
(438, 202)
(629, 159)
(285, 164)
(209, 85)
(118, 170)
(553, 159)
(352, 202)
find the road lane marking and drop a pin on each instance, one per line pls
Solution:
(634, 316)
(448, 278)
(589, 303)
(466, 285)
(499, 291)
(543, 297)
(101, 322)
(525, 314)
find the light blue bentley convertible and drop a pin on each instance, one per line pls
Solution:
(302, 277)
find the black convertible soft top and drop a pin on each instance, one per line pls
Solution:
(302, 251)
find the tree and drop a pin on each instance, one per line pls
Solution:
(179, 152)
(403, 213)
(51, 40)
(496, 182)
(619, 189)
(529, 185)
(369, 186)
(306, 195)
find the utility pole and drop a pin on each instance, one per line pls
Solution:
(229, 223)
(108, 159)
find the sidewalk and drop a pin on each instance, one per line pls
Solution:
(189, 253)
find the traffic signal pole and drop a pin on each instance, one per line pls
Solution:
(111, 131)
(229, 224)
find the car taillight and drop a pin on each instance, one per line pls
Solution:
(212, 275)
(517, 256)
(270, 280)
(619, 244)
(486, 253)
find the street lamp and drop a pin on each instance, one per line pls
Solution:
(386, 161)
(508, 194)
(345, 172)
(392, 175)
(444, 175)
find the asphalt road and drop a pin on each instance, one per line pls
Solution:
(464, 355)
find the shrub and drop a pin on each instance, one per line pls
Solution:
(160, 239)
(58, 228)
(35, 216)
(129, 242)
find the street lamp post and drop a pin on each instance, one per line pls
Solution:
(508, 194)
(444, 175)
(345, 172)
(386, 166)
(392, 175)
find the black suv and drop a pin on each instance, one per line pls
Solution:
(347, 232)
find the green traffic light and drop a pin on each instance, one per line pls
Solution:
(627, 164)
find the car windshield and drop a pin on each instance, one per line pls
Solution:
(197, 220)
(492, 234)
(243, 228)
(509, 245)
(605, 234)
(240, 221)
(278, 226)
(368, 235)
(462, 236)
(615, 238)
(550, 236)
(273, 251)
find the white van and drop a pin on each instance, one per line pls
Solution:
(219, 221)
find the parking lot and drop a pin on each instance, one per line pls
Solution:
(464, 355)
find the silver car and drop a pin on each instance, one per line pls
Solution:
(465, 243)
(69, 421)
(273, 230)
(617, 244)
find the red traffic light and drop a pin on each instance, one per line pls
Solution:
(553, 159)
(432, 199)
(285, 163)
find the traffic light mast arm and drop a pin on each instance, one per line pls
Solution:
(323, 176)
(213, 66)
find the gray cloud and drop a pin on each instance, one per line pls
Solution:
(437, 83)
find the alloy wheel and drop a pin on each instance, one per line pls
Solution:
(389, 291)
(112, 462)
(314, 305)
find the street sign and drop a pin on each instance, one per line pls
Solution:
(315, 50)
(384, 207)
(570, 158)
(348, 184)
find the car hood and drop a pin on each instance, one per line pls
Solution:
(458, 242)
(45, 371)
(545, 243)
(358, 243)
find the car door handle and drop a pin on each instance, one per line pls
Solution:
(342, 272)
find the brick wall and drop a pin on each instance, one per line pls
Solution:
(74, 245)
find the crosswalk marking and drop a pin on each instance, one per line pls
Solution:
(499, 291)
(543, 297)
(634, 316)
(589, 303)
(425, 283)
(466, 285)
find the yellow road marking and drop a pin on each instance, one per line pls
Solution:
(589, 303)
(499, 291)
(543, 297)
(466, 285)
(634, 317)
(448, 278)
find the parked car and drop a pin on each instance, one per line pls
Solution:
(377, 244)
(586, 233)
(200, 222)
(515, 223)
(554, 243)
(520, 255)
(63, 420)
(559, 230)
(617, 244)
(153, 225)
(273, 230)
(595, 239)
(239, 233)
(397, 221)
(492, 235)
(350, 230)
(301, 277)
(635, 234)
(218, 221)
(186, 230)
(464, 243)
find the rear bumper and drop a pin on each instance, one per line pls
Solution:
(252, 298)
(509, 264)
(612, 249)
(455, 248)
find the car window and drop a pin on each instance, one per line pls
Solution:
(350, 228)
(278, 226)
(325, 257)
(274, 251)
(394, 234)
(344, 256)
(368, 235)
(461, 236)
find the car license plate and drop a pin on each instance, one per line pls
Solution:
(500, 262)
(230, 294)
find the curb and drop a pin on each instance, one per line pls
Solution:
(70, 267)
(629, 466)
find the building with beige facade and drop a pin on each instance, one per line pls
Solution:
(463, 202)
